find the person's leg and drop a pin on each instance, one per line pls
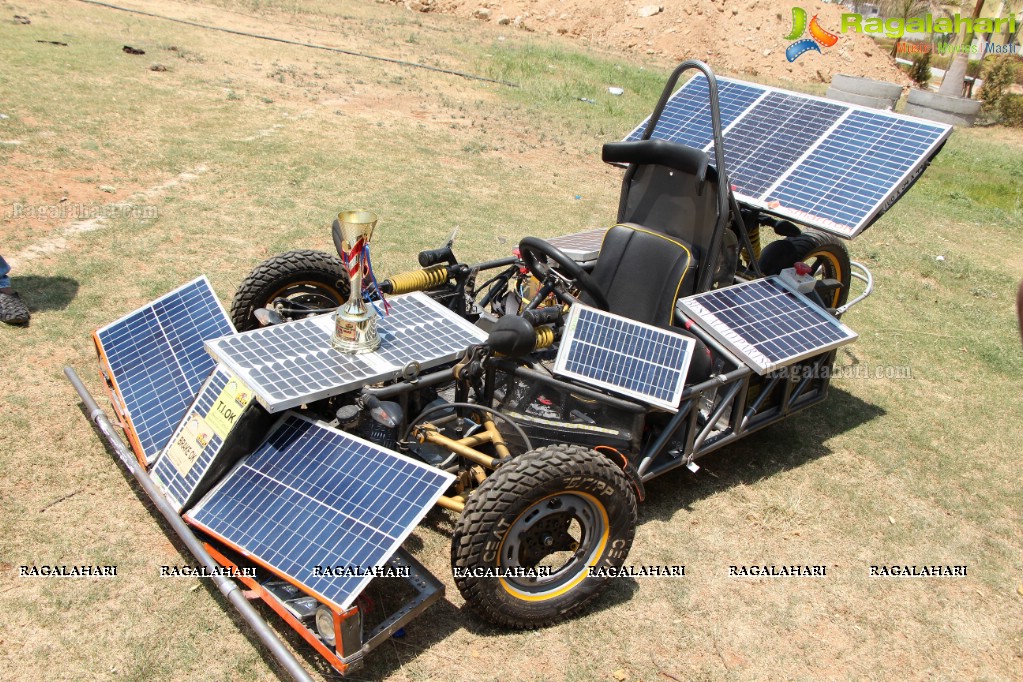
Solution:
(1019, 310)
(5, 281)
(12, 309)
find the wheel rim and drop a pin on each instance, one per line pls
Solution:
(565, 533)
(307, 294)
(824, 265)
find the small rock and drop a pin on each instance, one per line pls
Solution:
(21, 20)
(482, 13)
(616, 91)
(128, 49)
(940, 259)
(767, 52)
(503, 20)
(649, 11)
(3, 117)
(619, 675)
(157, 67)
(735, 11)
(107, 188)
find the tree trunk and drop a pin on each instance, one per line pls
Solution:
(955, 76)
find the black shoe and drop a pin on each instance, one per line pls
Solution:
(12, 309)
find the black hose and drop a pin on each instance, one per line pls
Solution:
(422, 417)
(275, 39)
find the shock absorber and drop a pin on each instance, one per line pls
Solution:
(417, 280)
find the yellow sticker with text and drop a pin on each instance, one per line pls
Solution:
(228, 406)
(191, 441)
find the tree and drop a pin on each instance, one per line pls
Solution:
(904, 10)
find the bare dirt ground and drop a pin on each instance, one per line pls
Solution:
(737, 36)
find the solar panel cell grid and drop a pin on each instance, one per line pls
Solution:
(290, 364)
(157, 361)
(766, 323)
(312, 497)
(772, 136)
(624, 356)
(686, 118)
(827, 164)
(582, 247)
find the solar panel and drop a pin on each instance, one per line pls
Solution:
(766, 323)
(155, 361)
(624, 356)
(581, 247)
(199, 439)
(827, 164)
(312, 502)
(293, 363)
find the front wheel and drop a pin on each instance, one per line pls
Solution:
(531, 535)
(302, 280)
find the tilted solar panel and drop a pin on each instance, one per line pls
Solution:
(293, 363)
(766, 323)
(581, 247)
(155, 360)
(199, 449)
(624, 356)
(313, 502)
(830, 165)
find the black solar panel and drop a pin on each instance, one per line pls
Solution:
(156, 358)
(624, 356)
(766, 323)
(831, 165)
(291, 364)
(313, 501)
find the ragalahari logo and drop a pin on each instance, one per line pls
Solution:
(818, 36)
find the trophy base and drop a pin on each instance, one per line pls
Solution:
(355, 333)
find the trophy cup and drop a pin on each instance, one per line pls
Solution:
(355, 323)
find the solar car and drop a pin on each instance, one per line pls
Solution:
(531, 396)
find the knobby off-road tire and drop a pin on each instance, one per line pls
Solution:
(561, 506)
(313, 279)
(826, 255)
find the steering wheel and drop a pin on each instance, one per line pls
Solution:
(535, 251)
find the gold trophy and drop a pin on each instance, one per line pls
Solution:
(355, 323)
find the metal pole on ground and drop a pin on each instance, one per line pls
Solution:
(226, 585)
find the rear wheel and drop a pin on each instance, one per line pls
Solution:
(303, 279)
(551, 516)
(826, 255)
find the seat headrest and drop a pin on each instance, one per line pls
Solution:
(660, 152)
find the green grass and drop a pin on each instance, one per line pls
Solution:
(280, 138)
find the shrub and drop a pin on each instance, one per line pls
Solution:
(1000, 75)
(1011, 108)
(920, 72)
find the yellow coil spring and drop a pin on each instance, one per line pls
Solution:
(419, 280)
(754, 240)
(544, 337)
